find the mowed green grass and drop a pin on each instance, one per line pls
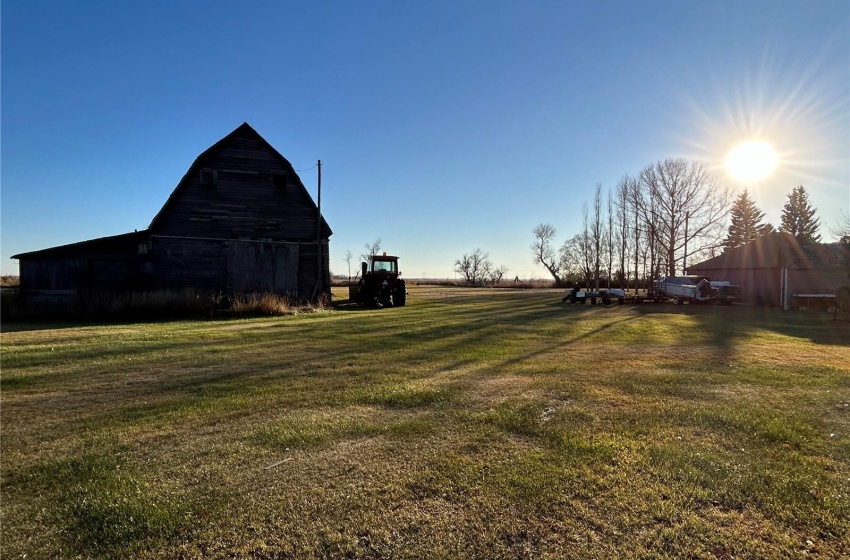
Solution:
(469, 424)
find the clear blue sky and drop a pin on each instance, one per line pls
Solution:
(441, 126)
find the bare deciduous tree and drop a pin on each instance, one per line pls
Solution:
(544, 252)
(623, 222)
(635, 199)
(347, 259)
(474, 267)
(586, 246)
(842, 230)
(594, 234)
(671, 209)
(609, 241)
(572, 260)
(497, 273)
(371, 249)
(684, 206)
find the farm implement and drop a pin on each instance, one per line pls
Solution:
(675, 289)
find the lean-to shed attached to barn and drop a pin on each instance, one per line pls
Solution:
(239, 221)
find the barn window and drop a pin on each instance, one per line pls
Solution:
(279, 180)
(209, 176)
(144, 248)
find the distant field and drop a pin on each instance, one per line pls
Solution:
(469, 424)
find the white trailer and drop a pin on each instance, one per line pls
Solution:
(685, 289)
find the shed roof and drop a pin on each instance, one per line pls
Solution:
(779, 250)
(112, 242)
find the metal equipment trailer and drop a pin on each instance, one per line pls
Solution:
(605, 296)
(676, 289)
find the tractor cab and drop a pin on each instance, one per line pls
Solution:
(383, 264)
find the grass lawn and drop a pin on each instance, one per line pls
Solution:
(468, 424)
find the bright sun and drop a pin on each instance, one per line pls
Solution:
(751, 161)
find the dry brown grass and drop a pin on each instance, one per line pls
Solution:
(156, 305)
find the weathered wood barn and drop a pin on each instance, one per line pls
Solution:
(777, 270)
(239, 221)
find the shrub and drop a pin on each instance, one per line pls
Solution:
(262, 304)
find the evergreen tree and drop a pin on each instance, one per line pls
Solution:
(746, 223)
(798, 217)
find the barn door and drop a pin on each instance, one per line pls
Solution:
(262, 267)
(286, 268)
(250, 266)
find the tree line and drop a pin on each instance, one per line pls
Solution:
(652, 224)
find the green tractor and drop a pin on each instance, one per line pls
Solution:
(380, 283)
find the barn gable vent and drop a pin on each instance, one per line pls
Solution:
(208, 176)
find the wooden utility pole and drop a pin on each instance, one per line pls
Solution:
(319, 229)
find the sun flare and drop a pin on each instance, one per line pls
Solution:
(751, 161)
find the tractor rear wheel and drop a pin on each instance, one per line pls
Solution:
(399, 296)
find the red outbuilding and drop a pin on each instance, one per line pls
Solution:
(778, 270)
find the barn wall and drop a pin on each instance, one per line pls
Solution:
(236, 266)
(817, 281)
(80, 274)
(114, 272)
(178, 264)
(758, 286)
(308, 273)
(762, 286)
(53, 274)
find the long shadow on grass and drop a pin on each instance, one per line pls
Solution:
(262, 358)
(723, 326)
(62, 324)
(329, 361)
(246, 366)
(606, 327)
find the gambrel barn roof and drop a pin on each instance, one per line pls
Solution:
(212, 216)
(243, 145)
